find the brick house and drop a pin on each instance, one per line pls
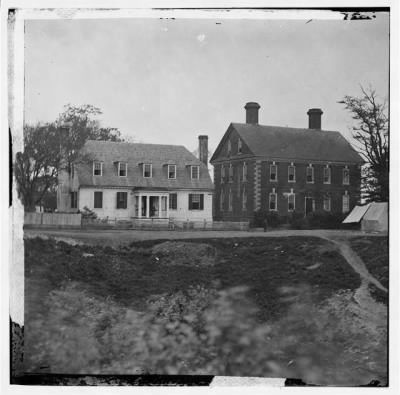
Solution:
(283, 169)
(129, 180)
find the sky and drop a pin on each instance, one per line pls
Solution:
(167, 81)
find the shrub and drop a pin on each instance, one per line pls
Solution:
(264, 218)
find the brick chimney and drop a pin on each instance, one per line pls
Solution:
(252, 112)
(203, 149)
(314, 118)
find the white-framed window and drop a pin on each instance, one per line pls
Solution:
(310, 174)
(244, 171)
(346, 176)
(327, 203)
(230, 172)
(172, 172)
(196, 201)
(244, 198)
(195, 172)
(273, 172)
(147, 170)
(327, 175)
(97, 168)
(122, 169)
(229, 147)
(230, 198)
(221, 200)
(273, 201)
(346, 202)
(291, 173)
(239, 146)
(222, 174)
(291, 201)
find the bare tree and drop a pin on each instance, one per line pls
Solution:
(371, 134)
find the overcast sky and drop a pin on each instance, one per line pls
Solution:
(167, 81)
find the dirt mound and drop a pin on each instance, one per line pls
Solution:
(184, 253)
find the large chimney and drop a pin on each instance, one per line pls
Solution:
(252, 112)
(203, 149)
(314, 118)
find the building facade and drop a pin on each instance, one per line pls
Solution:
(283, 170)
(147, 181)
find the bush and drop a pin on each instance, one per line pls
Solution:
(266, 219)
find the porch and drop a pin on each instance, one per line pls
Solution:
(151, 205)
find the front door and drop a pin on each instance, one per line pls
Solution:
(309, 205)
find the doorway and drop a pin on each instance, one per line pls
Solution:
(309, 205)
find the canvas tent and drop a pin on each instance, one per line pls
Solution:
(373, 217)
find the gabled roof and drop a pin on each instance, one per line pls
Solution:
(109, 153)
(293, 143)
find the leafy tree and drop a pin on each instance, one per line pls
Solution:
(49, 148)
(372, 142)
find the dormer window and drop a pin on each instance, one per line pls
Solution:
(147, 170)
(229, 147)
(122, 169)
(172, 172)
(195, 172)
(97, 168)
(239, 146)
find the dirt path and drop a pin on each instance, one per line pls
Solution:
(354, 261)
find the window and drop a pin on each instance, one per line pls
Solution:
(346, 176)
(291, 201)
(122, 199)
(327, 175)
(238, 184)
(98, 200)
(244, 171)
(327, 203)
(173, 201)
(229, 147)
(239, 146)
(147, 170)
(273, 201)
(310, 174)
(230, 200)
(196, 201)
(273, 175)
(195, 172)
(244, 199)
(74, 199)
(230, 173)
(172, 171)
(291, 173)
(346, 203)
(122, 169)
(222, 174)
(97, 168)
(221, 200)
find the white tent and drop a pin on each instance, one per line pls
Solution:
(373, 216)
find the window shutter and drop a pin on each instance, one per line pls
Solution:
(201, 202)
(190, 201)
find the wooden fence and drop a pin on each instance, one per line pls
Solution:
(76, 220)
(52, 219)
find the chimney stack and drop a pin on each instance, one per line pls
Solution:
(314, 118)
(203, 149)
(252, 112)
